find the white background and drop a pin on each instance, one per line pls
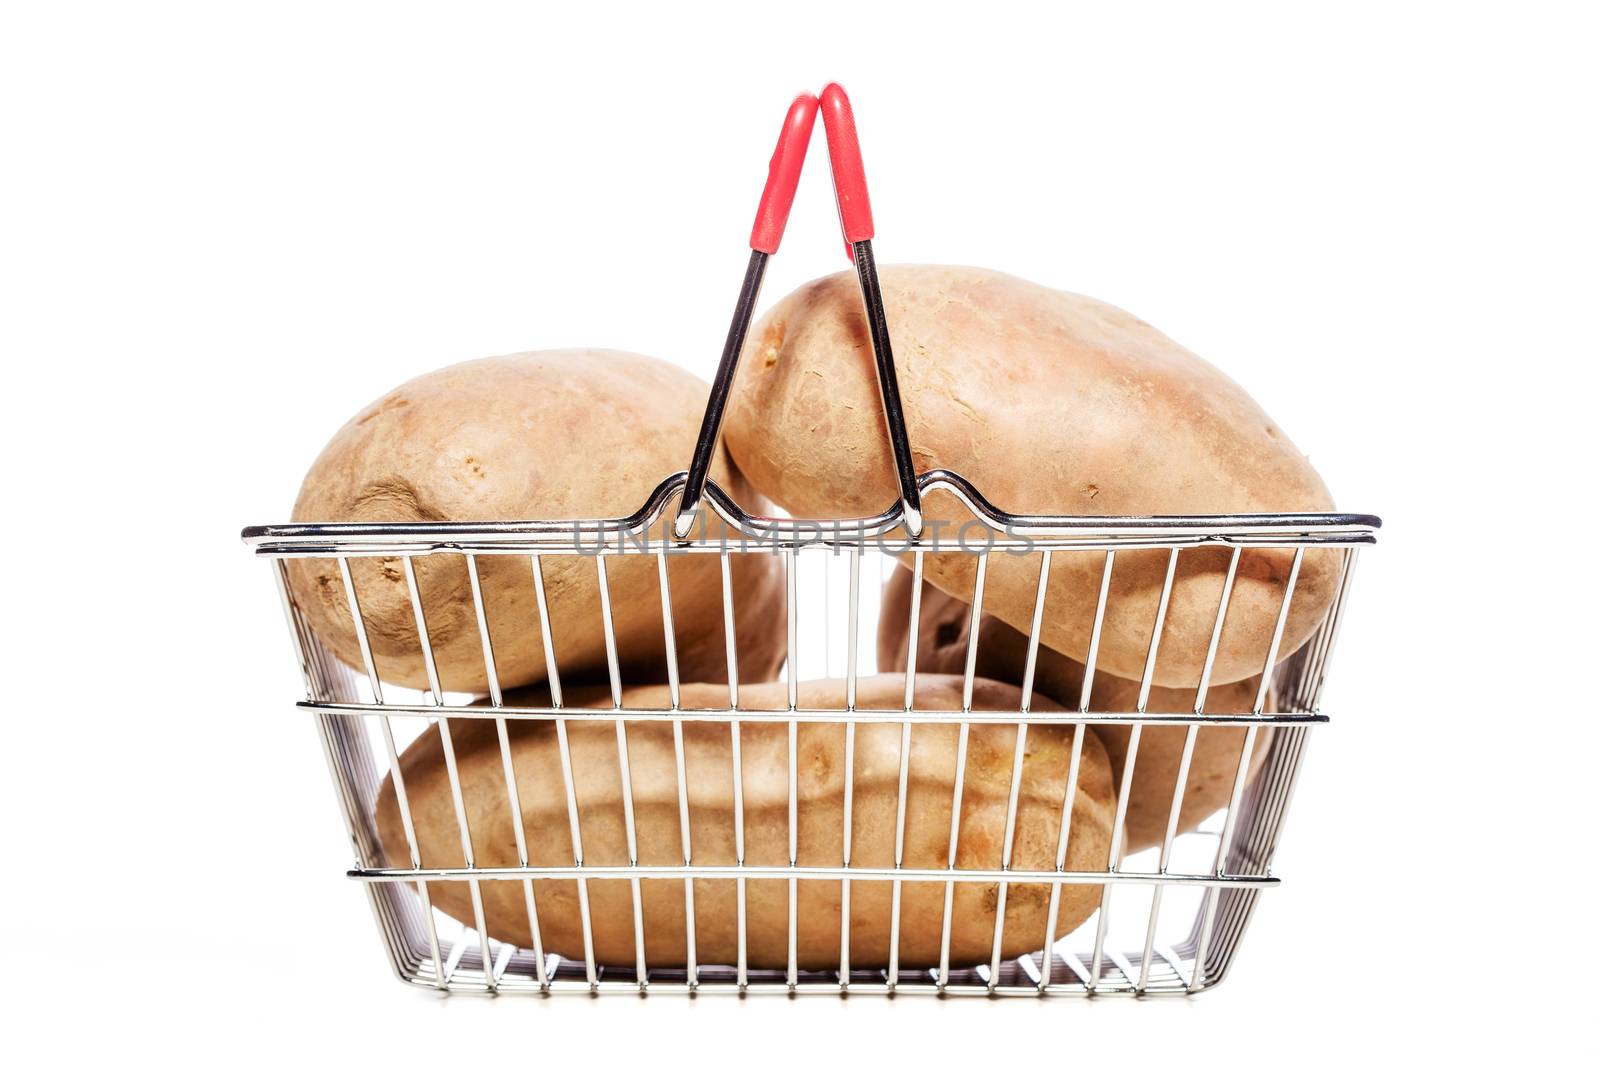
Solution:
(226, 228)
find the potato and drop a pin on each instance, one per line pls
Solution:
(943, 623)
(1050, 403)
(820, 756)
(573, 434)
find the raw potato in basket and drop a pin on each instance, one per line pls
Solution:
(943, 624)
(1050, 403)
(570, 434)
(764, 748)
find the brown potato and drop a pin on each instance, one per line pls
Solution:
(764, 748)
(1051, 403)
(574, 434)
(943, 624)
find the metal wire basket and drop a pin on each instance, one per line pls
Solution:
(1169, 920)
(1191, 902)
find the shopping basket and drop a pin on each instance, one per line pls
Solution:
(1169, 919)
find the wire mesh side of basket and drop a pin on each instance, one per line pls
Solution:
(1168, 920)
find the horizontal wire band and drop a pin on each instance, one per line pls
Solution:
(756, 717)
(855, 874)
(583, 546)
(779, 987)
(1034, 531)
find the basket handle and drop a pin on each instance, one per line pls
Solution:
(855, 220)
(849, 176)
(772, 216)
(783, 175)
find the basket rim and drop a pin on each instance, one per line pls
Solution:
(1289, 529)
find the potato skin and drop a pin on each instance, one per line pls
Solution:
(943, 625)
(1050, 403)
(571, 434)
(820, 756)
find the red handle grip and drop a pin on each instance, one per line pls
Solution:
(849, 177)
(783, 174)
